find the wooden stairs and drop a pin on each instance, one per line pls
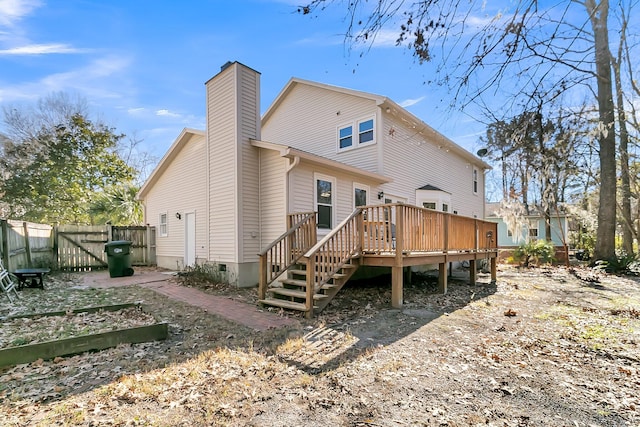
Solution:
(291, 292)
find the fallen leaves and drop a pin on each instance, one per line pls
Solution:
(31, 330)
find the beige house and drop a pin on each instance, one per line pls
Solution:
(224, 194)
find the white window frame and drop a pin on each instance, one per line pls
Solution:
(339, 137)
(534, 224)
(163, 229)
(355, 134)
(366, 188)
(475, 181)
(333, 181)
(435, 204)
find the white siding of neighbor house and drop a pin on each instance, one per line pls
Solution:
(222, 157)
(308, 119)
(248, 173)
(180, 189)
(273, 190)
(413, 160)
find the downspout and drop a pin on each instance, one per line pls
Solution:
(290, 166)
(259, 198)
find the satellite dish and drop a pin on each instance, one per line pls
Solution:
(482, 152)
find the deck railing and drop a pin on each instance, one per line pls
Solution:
(287, 249)
(331, 253)
(423, 230)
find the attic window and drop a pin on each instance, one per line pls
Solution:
(348, 139)
(475, 181)
(365, 131)
(345, 137)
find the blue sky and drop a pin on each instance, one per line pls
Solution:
(141, 64)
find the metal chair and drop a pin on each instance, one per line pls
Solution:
(7, 283)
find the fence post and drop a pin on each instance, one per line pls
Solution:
(5, 244)
(27, 243)
(56, 255)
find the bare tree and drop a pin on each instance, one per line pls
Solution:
(479, 50)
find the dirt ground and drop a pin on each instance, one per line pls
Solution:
(541, 347)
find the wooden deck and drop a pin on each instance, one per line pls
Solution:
(300, 273)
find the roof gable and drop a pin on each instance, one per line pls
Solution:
(384, 103)
(166, 160)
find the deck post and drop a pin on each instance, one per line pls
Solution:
(472, 272)
(442, 277)
(396, 287)
(397, 276)
(262, 278)
(494, 269)
(311, 283)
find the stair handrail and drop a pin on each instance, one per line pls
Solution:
(323, 266)
(285, 254)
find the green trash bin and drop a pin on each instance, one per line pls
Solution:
(119, 258)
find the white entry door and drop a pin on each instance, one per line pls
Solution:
(189, 239)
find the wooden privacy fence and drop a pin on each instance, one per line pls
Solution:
(26, 244)
(71, 247)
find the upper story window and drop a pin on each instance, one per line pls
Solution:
(365, 134)
(365, 131)
(162, 229)
(345, 137)
(475, 181)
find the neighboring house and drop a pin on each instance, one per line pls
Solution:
(535, 229)
(224, 194)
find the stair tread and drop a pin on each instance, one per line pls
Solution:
(294, 293)
(294, 282)
(298, 272)
(284, 304)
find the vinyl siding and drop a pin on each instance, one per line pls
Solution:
(222, 154)
(181, 188)
(412, 160)
(249, 121)
(302, 182)
(272, 196)
(309, 117)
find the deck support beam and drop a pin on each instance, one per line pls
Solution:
(396, 287)
(397, 271)
(442, 277)
(472, 272)
(494, 269)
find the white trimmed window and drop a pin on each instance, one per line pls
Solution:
(475, 181)
(429, 205)
(355, 134)
(325, 187)
(533, 229)
(360, 195)
(345, 137)
(162, 229)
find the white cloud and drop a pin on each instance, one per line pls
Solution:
(167, 113)
(409, 102)
(94, 81)
(385, 38)
(135, 111)
(41, 49)
(11, 11)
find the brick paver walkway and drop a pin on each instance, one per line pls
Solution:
(239, 312)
